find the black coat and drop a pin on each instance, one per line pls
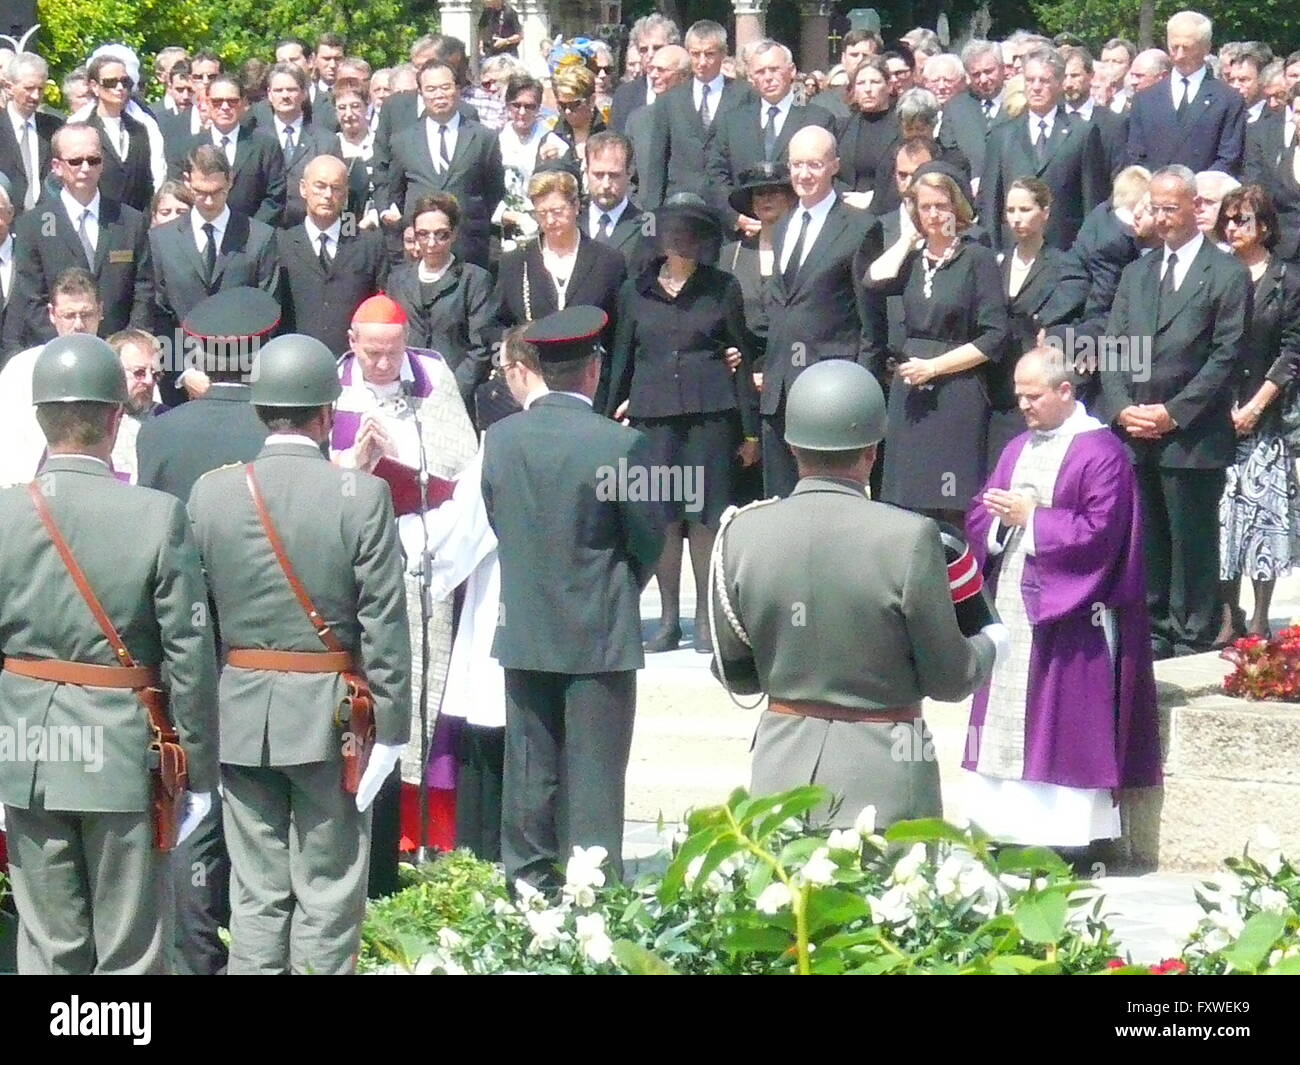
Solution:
(1272, 348)
(321, 303)
(629, 236)
(129, 180)
(46, 244)
(258, 185)
(456, 317)
(1269, 162)
(963, 118)
(1103, 247)
(628, 97)
(1198, 338)
(668, 356)
(401, 111)
(1074, 169)
(179, 446)
(313, 142)
(1210, 136)
(11, 162)
(681, 143)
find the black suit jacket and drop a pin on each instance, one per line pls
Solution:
(129, 180)
(574, 557)
(176, 130)
(321, 303)
(963, 116)
(1075, 171)
(1269, 162)
(11, 162)
(737, 145)
(457, 318)
(475, 177)
(46, 244)
(1114, 136)
(1211, 135)
(258, 184)
(312, 143)
(179, 446)
(1197, 338)
(399, 112)
(681, 139)
(628, 236)
(629, 96)
(1103, 247)
(824, 315)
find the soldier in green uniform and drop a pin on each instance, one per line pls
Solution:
(92, 889)
(839, 609)
(298, 842)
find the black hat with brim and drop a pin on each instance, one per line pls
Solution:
(567, 335)
(689, 212)
(765, 176)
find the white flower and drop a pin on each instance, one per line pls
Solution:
(792, 825)
(865, 823)
(908, 867)
(584, 868)
(593, 939)
(1271, 899)
(893, 907)
(582, 897)
(715, 882)
(502, 908)
(845, 839)
(1266, 848)
(1228, 922)
(547, 927)
(774, 898)
(529, 897)
(819, 869)
(449, 938)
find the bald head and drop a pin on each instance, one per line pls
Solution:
(1044, 387)
(814, 162)
(324, 189)
(670, 67)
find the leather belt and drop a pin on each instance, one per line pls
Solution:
(83, 674)
(831, 712)
(291, 661)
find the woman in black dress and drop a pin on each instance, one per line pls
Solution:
(954, 323)
(1259, 514)
(869, 135)
(448, 303)
(1044, 287)
(678, 323)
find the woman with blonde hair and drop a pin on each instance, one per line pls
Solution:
(575, 98)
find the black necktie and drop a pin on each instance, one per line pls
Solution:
(288, 142)
(1167, 282)
(604, 229)
(1040, 145)
(791, 270)
(442, 147)
(210, 249)
(704, 105)
(988, 111)
(1187, 91)
(324, 252)
(769, 134)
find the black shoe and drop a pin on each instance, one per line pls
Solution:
(703, 639)
(666, 639)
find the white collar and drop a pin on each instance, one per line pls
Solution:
(715, 86)
(216, 134)
(1079, 421)
(438, 275)
(1085, 109)
(452, 124)
(314, 231)
(535, 395)
(1185, 252)
(615, 212)
(7, 249)
(197, 222)
(782, 105)
(1193, 84)
(280, 126)
(575, 395)
(75, 209)
(17, 119)
(1255, 110)
(818, 210)
(291, 438)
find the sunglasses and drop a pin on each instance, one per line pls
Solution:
(223, 101)
(117, 83)
(571, 105)
(1238, 220)
(88, 160)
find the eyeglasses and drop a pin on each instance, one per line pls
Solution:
(572, 105)
(554, 212)
(123, 82)
(224, 101)
(83, 160)
(438, 236)
(141, 373)
(1238, 220)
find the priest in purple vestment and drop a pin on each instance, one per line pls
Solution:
(1069, 716)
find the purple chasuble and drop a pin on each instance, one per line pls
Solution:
(347, 423)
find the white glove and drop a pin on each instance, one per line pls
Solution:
(383, 756)
(2, 817)
(1001, 637)
(197, 805)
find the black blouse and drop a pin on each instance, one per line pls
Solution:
(1272, 348)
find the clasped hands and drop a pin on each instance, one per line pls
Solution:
(372, 444)
(1010, 508)
(1146, 421)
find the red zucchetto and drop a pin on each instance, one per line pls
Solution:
(379, 310)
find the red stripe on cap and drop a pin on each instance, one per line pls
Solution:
(964, 578)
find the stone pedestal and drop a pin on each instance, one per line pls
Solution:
(751, 16)
(459, 19)
(536, 20)
(814, 35)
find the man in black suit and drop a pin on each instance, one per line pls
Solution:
(1273, 161)
(444, 153)
(564, 522)
(300, 140)
(330, 266)
(1193, 119)
(817, 308)
(326, 57)
(1112, 236)
(647, 36)
(1063, 153)
(669, 69)
(254, 157)
(1189, 302)
(79, 227)
(855, 46)
(688, 115)
(758, 131)
(610, 217)
(972, 113)
(25, 131)
(127, 175)
(179, 118)
(210, 249)
(1076, 92)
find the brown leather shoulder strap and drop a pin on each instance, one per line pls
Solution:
(325, 633)
(78, 576)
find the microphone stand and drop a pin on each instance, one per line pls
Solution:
(426, 611)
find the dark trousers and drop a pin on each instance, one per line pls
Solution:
(567, 742)
(201, 875)
(1180, 540)
(480, 765)
(780, 474)
(386, 838)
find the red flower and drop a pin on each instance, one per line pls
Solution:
(1116, 963)
(1169, 967)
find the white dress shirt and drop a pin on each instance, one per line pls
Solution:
(1034, 120)
(560, 267)
(594, 213)
(431, 133)
(817, 212)
(1254, 111)
(1193, 85)
(7, 266)
(219, 224)
(715, 93)
(230, 148)
(1084, 110)
(1185, 254)
(783, 112)
(76, 210)
(1119, 102)
(331, 236)
(115, 132)
(280, 127)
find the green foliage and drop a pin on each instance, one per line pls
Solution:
(1276, 22)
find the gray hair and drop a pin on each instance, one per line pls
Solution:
(655, 21)
(1158, 58)
(1194, 21)
(765, 45)
(1121, 42)
(1210, 182)
(423, 44)
(1183, 174)
(1048, 57)
(1256, 52)
(27, 61)
(922, 41)
(1272, 72)
(708, 31)
(943, 59)
(977, 49)
(916, 105)
(507, 63)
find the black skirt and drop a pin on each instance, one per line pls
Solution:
(694, 456)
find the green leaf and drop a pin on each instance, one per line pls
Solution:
(924, 830)
(1040, 918)
(794, 803)
(759, 939)
(696, 844)
(828, 907)
(1029, 860)
(638, 961)
(798, 851)
(758, 879)
(1286, 967)
(1255, 941)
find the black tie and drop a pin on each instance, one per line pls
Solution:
(1187, 91)
(988, 111)
(324, 252)
(1040, 145)
(288, 142)
(210, 250)
(769, 134)
(704, 105)
(442, 147)
(1167, 282)
(792, 266)
(604, 228)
